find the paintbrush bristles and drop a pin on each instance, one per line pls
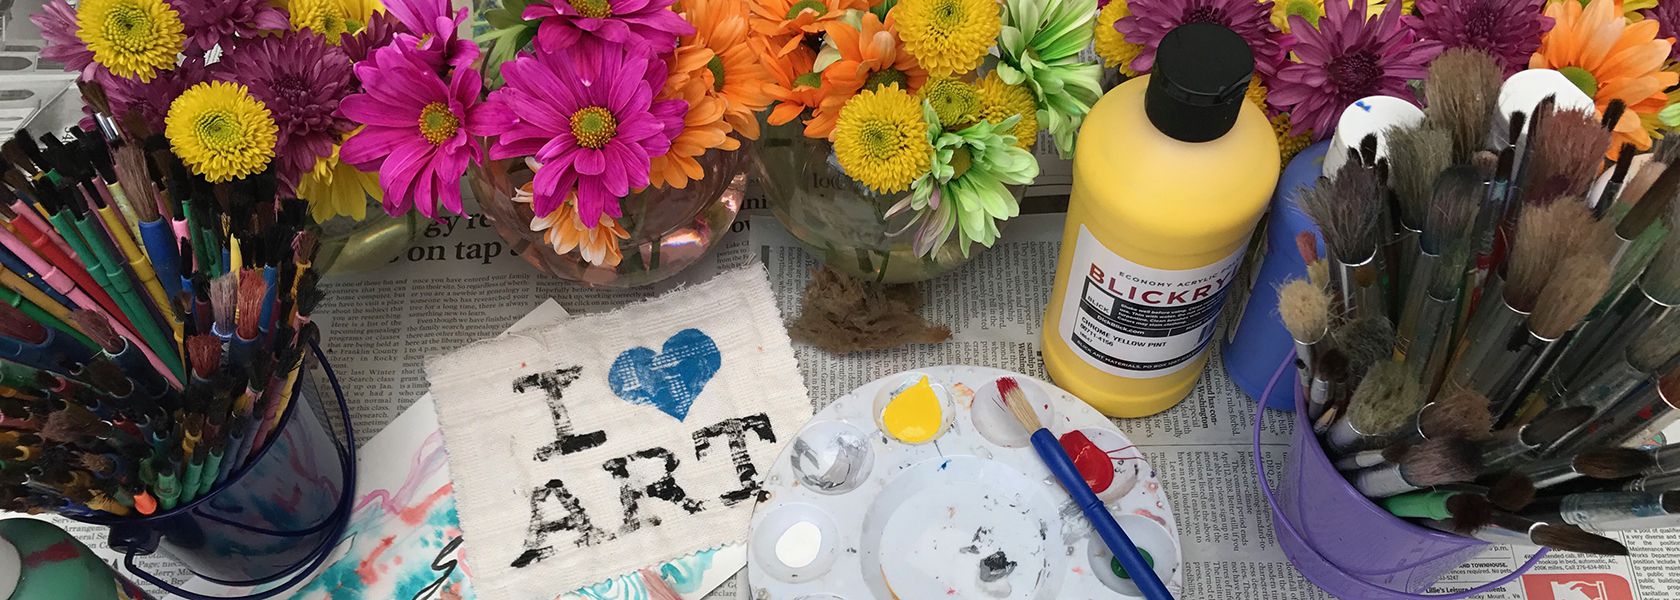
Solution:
(1613, 463)
(1441, 461)
(1461, 413)
(1458, 193)
(205, 351)
(1305, 309)
(1462, 88)
(1419, 154)
(1016, 401)
(1653, 204)
(1347, 209)
(1365, 342)
(1662, 277)
(1385, 399)
(98, 329)
(1566, 156)
(1574, 539)
(1576, 287)
(1654, 347)
(251, 290)
(1544, 236)
(224, 297)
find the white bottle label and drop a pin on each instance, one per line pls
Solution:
(1135, 321)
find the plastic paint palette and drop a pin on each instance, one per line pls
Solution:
(921, 485)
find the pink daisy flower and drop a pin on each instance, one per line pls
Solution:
(431, 30)
(588, 115)
(649, 23)
(1347, 57)
(1150, 20)
(418, 129)
(210, 22)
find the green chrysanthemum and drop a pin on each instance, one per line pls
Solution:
(966, 191)
(1040, 45)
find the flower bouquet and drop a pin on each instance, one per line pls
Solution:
(246, 90)
(901, 133)
(619, 131)
(1315, 57)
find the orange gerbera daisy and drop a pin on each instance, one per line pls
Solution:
(787, 22)
(724, 82)
(564, 230)
(1610, 59)
(793, 85)
(870, 55)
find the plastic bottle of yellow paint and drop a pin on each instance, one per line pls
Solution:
(1171, 174)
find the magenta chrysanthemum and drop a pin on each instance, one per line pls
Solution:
(1150, 20)
(648, 23)
(57, 22)
(588, 115)
(210, 22)
(1667, 16)
(302, 80)
(431, 30)
(1509, 30)
(419, 130)
(1347, 57)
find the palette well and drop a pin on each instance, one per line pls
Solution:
(922, 485)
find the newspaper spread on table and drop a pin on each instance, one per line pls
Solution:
(379, 327)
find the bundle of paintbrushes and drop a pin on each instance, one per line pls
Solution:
(153, 326)
(1490, 343)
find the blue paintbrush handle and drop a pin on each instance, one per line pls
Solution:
(1107, 528)
(161, 248)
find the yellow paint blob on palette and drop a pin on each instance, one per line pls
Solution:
(923, 485)
(913, 416)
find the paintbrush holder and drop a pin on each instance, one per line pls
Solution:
(276, 518)
(1341, 541)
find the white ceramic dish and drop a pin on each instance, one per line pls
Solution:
(855, 514)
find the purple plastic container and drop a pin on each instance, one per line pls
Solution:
(1344, 543)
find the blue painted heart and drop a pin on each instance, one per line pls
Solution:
(671, 379)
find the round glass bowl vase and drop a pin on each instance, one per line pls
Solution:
(842, 222)
(669, 228)
(349, 247)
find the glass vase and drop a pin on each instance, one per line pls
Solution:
(842, 222)
(669, 228)
(350, 247)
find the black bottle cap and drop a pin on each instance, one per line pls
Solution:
(1199, 81)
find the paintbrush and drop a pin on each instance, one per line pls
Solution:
(1602, 512)
(1612, 190)
(1544, 235)
(1349, 211)
(1567, 157)
(1624, 392)
(1305, 309)
(1641, 415)
(1329, 381)
(1318, 272)
(1506, 528)
(1461, 414)
(1378, 412)
(1465, 511)
(1426, 464)
(1418, 155)
(1654, 483)
(1463, 91)
(1603, 463)
(1648, 302)
(1427, 317)
(1578, 284)
(1363, 459)
(1512, 445)
(1056, 459)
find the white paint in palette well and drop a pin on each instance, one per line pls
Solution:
(800, 545)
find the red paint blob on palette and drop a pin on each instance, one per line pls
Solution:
(1092, 462)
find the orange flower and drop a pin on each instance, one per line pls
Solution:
(870, 56)
(716, 71)
(1610, 59)
(787, 22)
(564, 230)
(793, 86)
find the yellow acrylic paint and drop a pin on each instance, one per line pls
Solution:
(913, 416)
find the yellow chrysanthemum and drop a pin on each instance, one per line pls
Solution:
(359, 12)
(220, 131)
(1115, 51)
(1288, 145)
(955, 101)
(1313, 10)
(999, 101)
(132, 38)
(948, 37)
(329, 18)
(881, 139)
(336, 188)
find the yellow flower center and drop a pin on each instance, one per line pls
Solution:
(715, 65)
(880, 79)
(881, 140)
(128, 27)
(593, 126)
(594, 9)
(217, 129)
(948, 14)
(1306, 9)
(953, 100)
(815, 6)
(437, 123)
